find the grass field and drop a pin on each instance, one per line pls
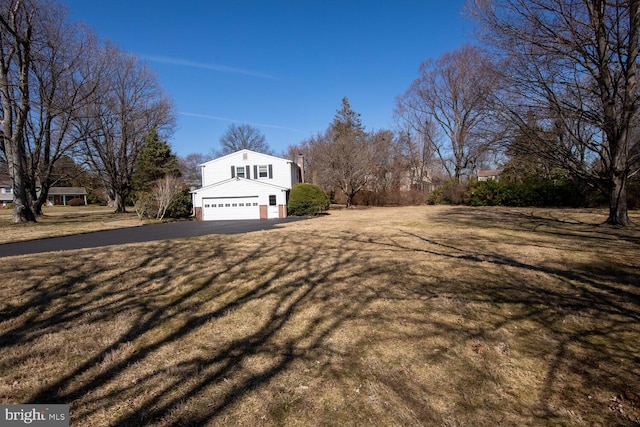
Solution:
(434, 316)
(63, 220)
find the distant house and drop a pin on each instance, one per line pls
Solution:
(56, 196)
(489, 174)
(63, 195)
(6, 194)
(245, 185)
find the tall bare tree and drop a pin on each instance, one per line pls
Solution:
(415, 139)
(453, 93)
(574, 65)
(389, 167)
(63, 82)
(343, 155)
(18, 33)
(130, 103)
(190, 168)
(240, 137)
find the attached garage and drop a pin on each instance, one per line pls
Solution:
(240, 198)
(224, 208)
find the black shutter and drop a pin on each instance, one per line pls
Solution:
(255, 171)
(247, 169)
(233, 172)
(270, 171)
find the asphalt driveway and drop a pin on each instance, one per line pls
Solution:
(146, 233)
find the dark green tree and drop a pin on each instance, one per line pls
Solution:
(155, 161)
(346, 123)
(307, 199)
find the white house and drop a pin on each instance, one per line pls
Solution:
(6, 194)
(56, 195)
(245, 185)
(489, 174)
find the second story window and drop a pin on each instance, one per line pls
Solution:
(263, 171)
(240, 171)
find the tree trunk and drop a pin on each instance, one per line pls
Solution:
(119, 204)
(349, 200)
(618, 214)
(40, 201)
(21, 207)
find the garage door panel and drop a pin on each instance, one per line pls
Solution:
(230, 208)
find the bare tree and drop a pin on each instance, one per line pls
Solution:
(389, 167)
(190, 168)
(342, 155)
(240, 137)
(573, 64)
(453, 93)
(130, 103)
(63, 81)
(415, 139)
(165, 191)
(18, 31)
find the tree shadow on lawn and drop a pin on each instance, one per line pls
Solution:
(580, 319)
(173, 307)
(323, 328)
(586, 223)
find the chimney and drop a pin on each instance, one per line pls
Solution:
(301, 166)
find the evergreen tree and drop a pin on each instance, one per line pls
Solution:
(347, 123)
(154, 162)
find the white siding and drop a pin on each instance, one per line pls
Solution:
(219, 184)
(218, 170)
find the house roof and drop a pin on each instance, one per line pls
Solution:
(253, 153)
(243, 181)
(67, 191)
(490, 172)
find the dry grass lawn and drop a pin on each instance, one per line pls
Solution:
(434, 316)
(64, 220)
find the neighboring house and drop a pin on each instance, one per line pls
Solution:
(245, 185)
(56, 196)
(6, 194)
(489, 174)
(63, 195)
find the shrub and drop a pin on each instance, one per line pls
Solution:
(145, 205)
(307, 199)
(77, 201)
(483, 193)
(451, 192)
(181, 206)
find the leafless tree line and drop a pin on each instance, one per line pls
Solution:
(65, 93)
(556, 82)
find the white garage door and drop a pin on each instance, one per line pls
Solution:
(223, 208)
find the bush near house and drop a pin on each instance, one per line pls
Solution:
(307, 199)
(181, 206)
(77, 201)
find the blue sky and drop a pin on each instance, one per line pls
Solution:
(281, 66)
